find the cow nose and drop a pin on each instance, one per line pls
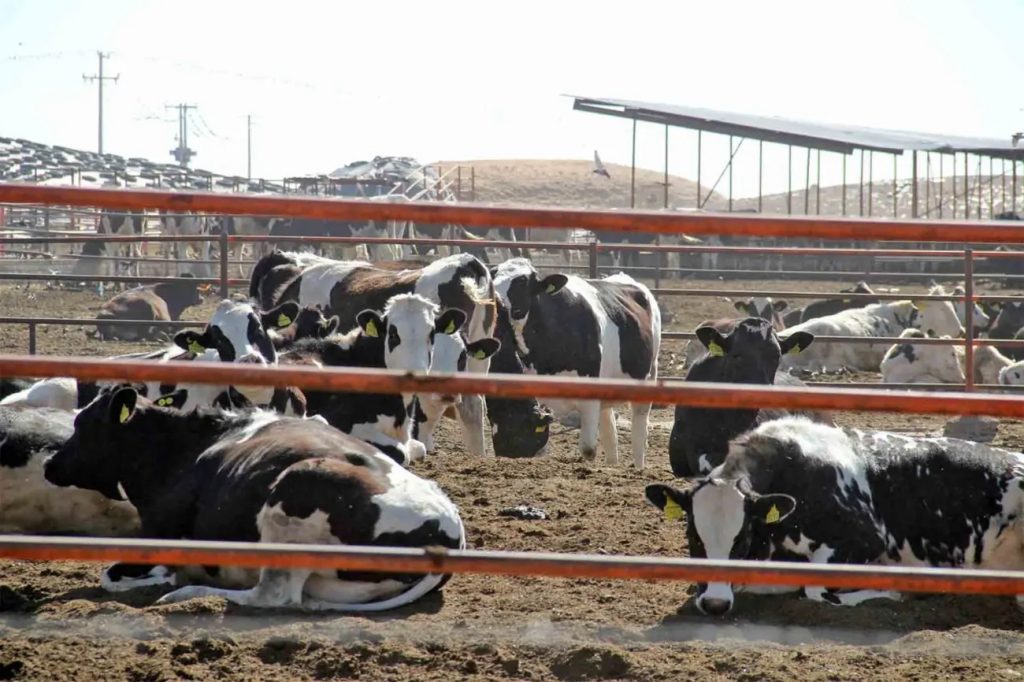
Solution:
(715, 607)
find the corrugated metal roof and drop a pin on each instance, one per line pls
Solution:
(830, 137)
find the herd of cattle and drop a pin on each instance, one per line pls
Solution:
(284, 465)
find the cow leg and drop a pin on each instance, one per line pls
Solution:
(276, 588)
(590, 414)
(853, 598)
(609, 435)
(639, 432)
(471, 417)
(121, 577)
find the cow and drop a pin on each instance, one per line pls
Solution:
(403, 337)
(124, 223)
(255, 476)
(749, 354)
(314, 227)
(310, 323)
(909, 363)
(163, 302)
(880, 319)
(243, 226)
(795, 490)
(832, 306)
(1007, 324)
(764, 308)
(607, 328)
(185, 224)
(981, 318)
(31, 504)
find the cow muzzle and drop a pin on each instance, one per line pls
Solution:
(716, 600)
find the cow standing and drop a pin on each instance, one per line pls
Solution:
(607, 328)
(795, 490)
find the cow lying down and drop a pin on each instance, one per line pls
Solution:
(255, 476)
(795, 490)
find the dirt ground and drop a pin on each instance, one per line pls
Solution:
(57, 624)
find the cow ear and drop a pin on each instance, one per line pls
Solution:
(122, 405)
(673, 502)
(192, 342)
(796, 342)
(329, 326)
(371, 323)
(769, 509)
(551, 284)
(483, 349)
(280, 317)
(175, 400)
(779, 306)
(712, 340)
(450, 321)
(741, 306)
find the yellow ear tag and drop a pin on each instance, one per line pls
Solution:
(371, 329)
(125, 414)
(714, 350)
(165, 401)
(673, 512)
(196, 347)
(283, 320)
(773, 515)
(451, 328)
(541, 429)
(794, 350)
(550, 289)
(847, 300)
(480, 355)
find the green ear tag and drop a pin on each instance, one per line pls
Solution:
(480, 355)
(541, 429)
(550, 289)
(793, 351)
(673, 512)
(283, 320)
(165, 401)
(196, 347)
(125, 414)
(371, 329)
(715, 350)
(773, 515)
(450, 329)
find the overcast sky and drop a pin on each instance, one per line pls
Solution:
(332, 82)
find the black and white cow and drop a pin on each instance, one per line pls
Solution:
(185, 224)
(749, 354)
(607, 328)
(124, 223)
(1007, 324)
(31, 504)
(762, 307)
(795, 490)
(255, 476)
(831, 306)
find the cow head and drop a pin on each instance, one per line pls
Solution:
(722, 518)
(937, 318)
(239, 334)
(517, 285)
(180, 295)
(765, 308)
(310, 323)
(1009, 320)
(408, 327)
(751, 353)
(981, 319)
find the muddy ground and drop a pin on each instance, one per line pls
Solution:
(56, 624)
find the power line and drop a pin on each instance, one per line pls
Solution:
(99, 78)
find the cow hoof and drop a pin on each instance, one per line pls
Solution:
(589, 454)
(182, 594)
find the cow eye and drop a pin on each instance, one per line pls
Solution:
(393, 335)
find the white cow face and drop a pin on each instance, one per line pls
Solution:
(721, 517)
(516, 283)
(408, 326)
(239, 334)
(938, 318)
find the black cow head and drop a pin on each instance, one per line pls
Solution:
(310, 323)
(722, 518)
(239, 334)
(750, 354)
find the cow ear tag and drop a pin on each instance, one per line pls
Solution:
(714, 350)
(773, 515)
(793, 351)
(550, 289)
(480, 355)
(165, 401)
(540, 429)
(371, 329)
(125, 414)
(283, 320)
(450, 329)
(196, 347)
(673, 512)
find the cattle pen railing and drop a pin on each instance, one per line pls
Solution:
(383, 381)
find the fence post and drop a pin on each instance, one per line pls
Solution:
(223, 262)
(969, 319)
(593, 259)
(31, 338)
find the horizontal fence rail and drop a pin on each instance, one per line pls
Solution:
(541, 564)
(655, 222)
(695, 394)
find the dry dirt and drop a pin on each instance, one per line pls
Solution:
(57, 624)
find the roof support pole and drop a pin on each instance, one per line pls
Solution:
(942, 186)
(789, 178)
(861, 183)
(871, 180)
(632, 171)
(895, 195)
(978, 183)
(807, 184)
(1013, 198)
(698, 168)
(967, 188)
(991, 189)
(666, 165)
(1002, 193)
(952, 210)
(731, 153)
(927, 185)
(844, 183)
(760, 174)
(913, 185)
(817, 185)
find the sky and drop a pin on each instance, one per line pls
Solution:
(332, 82)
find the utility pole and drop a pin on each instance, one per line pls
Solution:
(248, 146)
(182, 154)
(99, 78)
